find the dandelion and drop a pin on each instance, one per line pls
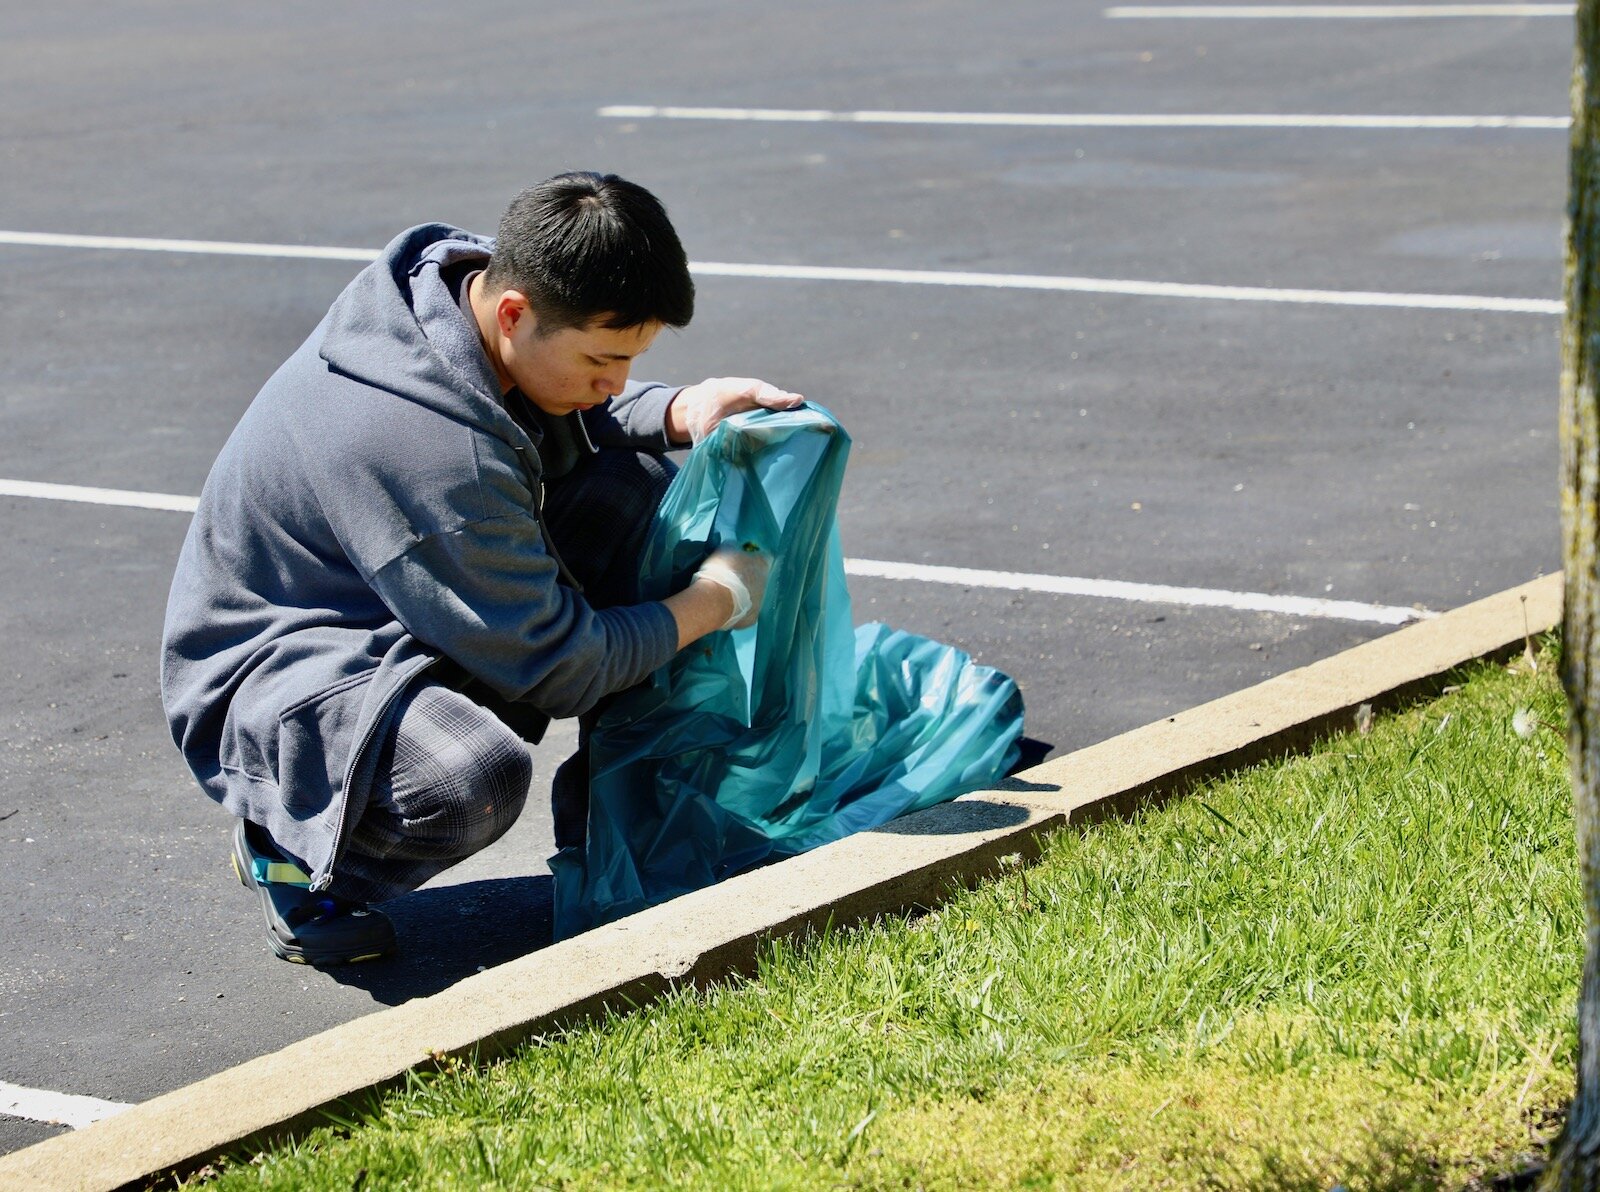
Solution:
(1525, 722)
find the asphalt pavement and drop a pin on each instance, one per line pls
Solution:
(1386, 454)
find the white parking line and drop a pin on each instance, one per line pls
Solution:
(224, 248)
(966, 577)
(1078, 119)
(56, 1109)
(1111, 589)
(126, 498)
(1141, 289)
(138, 244)
(916, 277)
(1334, 11)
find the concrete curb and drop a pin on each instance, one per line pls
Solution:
(712, 933)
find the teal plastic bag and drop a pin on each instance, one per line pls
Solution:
(759, 744)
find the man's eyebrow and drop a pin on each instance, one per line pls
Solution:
(618, 355)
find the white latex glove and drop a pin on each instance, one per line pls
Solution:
(743, 572)
(697, 409)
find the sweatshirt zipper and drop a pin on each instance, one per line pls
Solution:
(537, 473)
(356, 760)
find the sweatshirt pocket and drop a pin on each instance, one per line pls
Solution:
(315, 737)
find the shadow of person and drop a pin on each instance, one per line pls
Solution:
(1031, 752)
(450, 932)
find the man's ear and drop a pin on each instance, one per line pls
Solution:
(511, 310)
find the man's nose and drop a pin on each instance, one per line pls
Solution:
(611, 381)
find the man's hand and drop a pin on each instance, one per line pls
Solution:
(725, 593)
(697, 409)
(743, 574)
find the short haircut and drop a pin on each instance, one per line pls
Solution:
(585, 246)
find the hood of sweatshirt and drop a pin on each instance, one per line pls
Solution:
(399, 327)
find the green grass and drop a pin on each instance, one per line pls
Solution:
(1358, 966)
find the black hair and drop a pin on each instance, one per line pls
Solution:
(583, 245)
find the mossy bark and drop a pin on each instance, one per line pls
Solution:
(1575, 1160)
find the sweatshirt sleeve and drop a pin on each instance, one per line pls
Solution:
(636, 418)
(486, 599)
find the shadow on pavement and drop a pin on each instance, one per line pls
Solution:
(1033, 752)
(954, 819)
(450, 932)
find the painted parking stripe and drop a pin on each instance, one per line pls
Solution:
(126, 498)
(1294, 606)
(224, 248)
(1323, 12)
(56, 1109)
(966, 577)
(1141, 289)
(1079, 119)
(916, 277)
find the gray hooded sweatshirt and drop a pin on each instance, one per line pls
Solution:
(375, 509)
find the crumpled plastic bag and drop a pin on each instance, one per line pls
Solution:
(758, 744)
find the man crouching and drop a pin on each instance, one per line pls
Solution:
(421, 543)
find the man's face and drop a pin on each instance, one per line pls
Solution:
(574, 368)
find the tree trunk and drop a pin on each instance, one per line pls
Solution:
(1575, 1160)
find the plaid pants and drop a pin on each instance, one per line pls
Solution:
(452, 777)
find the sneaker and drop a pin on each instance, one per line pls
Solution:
(303, 927)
